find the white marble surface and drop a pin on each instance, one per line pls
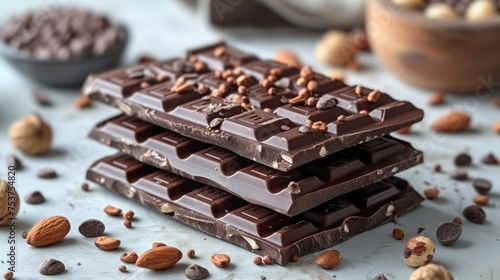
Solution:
(165, 29)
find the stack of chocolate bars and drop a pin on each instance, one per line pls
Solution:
(279, 160)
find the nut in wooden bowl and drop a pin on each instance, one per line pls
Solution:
(464, 59)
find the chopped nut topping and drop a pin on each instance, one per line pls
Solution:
(272, 78)
(218, 74)
(301, 81)
(358, 90)
(242, 90)
(265, 83)
(276, 72)
(320, 126)
(363, 112)
(145, 85)
(272, 91)
(309, 123)
(312, 86)
(202, 89)
(199, 66)
(373, 96)
(267, 110)
(219, 51)
(242, 80)
(161, 78)
(311, 101)
(341, 118)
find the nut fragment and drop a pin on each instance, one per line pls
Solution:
(419, 250)
(454, 121)
(82, 101)
(106, 243)
(431, 271)
(8, 212)
(373, 96)
(329, 259)
(219, 51)
(257, 260)
(190, 253)
(31, 135)
(112, 210)
(457, 220)
(398, 233)
(122, 268)
(48, 231)
(159, 258)
(431, 193)
(8, 275)
(267, 259)
(220, 260)
(127, 223)
(129, 257)
(301, 97)
(481, 199)
(320, 126)
(312, 86)
(437, 98)
(128, 215)
(496, 127)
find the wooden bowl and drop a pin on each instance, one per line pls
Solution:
(449, 55)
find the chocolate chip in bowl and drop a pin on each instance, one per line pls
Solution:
(61, 47)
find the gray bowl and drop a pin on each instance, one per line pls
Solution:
(63, 73)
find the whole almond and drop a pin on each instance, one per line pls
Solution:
(159, 258)
(106, 243)
(329, 259)
(220, 260)
(287, 57)
(454, 121)
(48, 231)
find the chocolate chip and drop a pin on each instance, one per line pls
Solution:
(459, 175)
(41, 98)
(196, 272)
(463, 159)
(381, 276)
(437, 167)
(14, 161)
(489, 159)
(46, 173)
(51, 267)
(448, 233)
(475, 214)
(482, 186)
(91, 228)
(35, 197)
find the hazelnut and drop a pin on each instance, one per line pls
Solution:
(431, 193)
(431, 271)
(31, 135)
(7, 211)
(480, 10)
(440, 11)
(411, 4)
(335, 48)
(419, 251)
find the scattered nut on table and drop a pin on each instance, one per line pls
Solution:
(335, 48)
(6, 212)
(419, 251)
(481, 10)
(31, 135)
(431, 271)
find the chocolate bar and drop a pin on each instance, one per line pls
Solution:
(266, 111)
(288, 193)
(253, 227)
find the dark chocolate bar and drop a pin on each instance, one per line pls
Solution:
(266, 111)
(289, 193)
(253, 227)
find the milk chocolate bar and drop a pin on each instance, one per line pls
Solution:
(274, 114)
(289, 193)
(253, 227)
